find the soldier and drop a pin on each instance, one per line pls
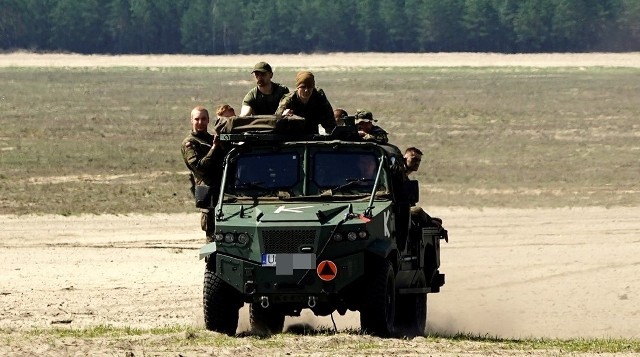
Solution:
(203, 155)
(264, 98)
(412, 160)
(367, 130)
(225, 111)
(338, 115)
(309, 103)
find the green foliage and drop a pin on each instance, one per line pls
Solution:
(292, 26)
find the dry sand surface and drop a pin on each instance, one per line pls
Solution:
(337, 60)
(510, 272)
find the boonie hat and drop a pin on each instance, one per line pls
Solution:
(263, 67)
(364, 116)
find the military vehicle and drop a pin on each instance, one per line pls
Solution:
(318, 222)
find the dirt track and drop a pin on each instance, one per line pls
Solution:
(510, 273)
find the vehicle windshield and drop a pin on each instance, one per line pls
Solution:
(263, 173)
(345, 171)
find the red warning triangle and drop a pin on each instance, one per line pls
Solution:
(327, 270)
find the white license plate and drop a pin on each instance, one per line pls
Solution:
(268, 260)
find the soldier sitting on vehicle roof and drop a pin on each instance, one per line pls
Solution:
(367, 130)
(308, 102)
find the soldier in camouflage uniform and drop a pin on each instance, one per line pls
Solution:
(308, 102)
(367, 130)
(203, 155)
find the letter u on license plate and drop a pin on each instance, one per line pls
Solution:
(268, 260)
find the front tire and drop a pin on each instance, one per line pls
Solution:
(265, 322)
(221, 304)
(377, 314)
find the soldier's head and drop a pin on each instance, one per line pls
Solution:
(364, 120)
(338, 115)
(412, 159)
(225, 110)
(263, 73)
(305, 83)
(199, 119)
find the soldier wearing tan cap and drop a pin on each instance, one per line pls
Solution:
(308, 102)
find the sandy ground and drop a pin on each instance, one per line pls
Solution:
(510, 273)
(339, 60)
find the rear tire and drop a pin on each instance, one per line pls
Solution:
(265, 322)
(221, 304)
(377, 314)
(411, 315)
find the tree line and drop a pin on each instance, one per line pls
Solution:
(293, 26)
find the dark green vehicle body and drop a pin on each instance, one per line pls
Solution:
(334, 216)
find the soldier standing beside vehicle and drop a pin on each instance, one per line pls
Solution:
(203, 155)
(309, 103)
(412, 160)
(265, 97)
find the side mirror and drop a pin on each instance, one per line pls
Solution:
(412, 191)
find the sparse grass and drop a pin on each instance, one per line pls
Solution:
(505, 137)
(583, 345)
(189, 338)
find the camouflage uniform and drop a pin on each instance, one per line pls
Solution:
(377, 134)
(201, 159)
(205, 164)
(317, 111)
(263, 104)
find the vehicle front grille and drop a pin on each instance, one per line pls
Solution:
(287, 241)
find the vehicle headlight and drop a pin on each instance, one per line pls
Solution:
(243, 238)
(338, 237)
(229, 237)
(352, 236)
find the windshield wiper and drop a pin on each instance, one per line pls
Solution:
(351, 182)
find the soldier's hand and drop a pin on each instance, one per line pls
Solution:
(220, 124)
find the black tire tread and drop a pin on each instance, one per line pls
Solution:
(265, 322)
(373, 317)
(221, 304)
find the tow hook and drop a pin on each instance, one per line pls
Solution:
(312, 301)
(264, 302)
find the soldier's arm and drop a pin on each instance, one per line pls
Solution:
(377, 135)
(327, 120)
(247, 101)
(245, 110)
(199, 165)
(284, 104)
